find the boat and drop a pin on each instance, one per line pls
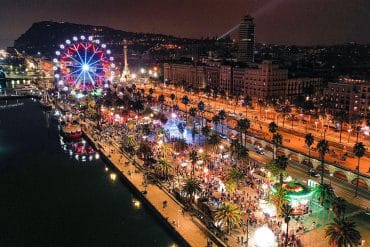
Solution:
(71, 131)
(46, 102)
(25, 89)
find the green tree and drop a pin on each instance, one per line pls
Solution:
(339, 207)
(343, 233)
(193, 157)
(242, 126)
(359, 151)
(341, 117)
(222, 117)
(286, 212)
(323, 148)
(201, 108)
(277, 140)
(309, 139)
(161, 99)
(234, 177)
(185, 100)
(163, 166)
(273, 128)
(325, 193)
(278, 198)
(229, 216)
(191, 187)
(214, 140)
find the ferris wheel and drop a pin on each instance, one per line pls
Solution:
(83, 66)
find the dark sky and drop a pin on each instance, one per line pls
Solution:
(277, 21)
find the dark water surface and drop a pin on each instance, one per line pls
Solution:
(50, 199)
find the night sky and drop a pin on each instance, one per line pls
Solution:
(302, 22)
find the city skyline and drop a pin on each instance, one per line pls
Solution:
(277, 22)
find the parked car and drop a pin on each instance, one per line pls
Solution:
(314, 173)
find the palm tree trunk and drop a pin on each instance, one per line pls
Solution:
(358, 176)
(286, 236)
(340, 133)
(322, 170)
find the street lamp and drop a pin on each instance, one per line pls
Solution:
(349, 132)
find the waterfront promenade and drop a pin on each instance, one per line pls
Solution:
(189, 227)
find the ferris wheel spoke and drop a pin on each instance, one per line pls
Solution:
(91, 79)
(74, 72)
(79, 55)
(77, 81)
(92, 56)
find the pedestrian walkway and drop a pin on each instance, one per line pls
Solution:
(186, 225)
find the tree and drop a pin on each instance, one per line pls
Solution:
(164, 167)
(193, 114)
(238, 150)
(193, 157)
(325, 193)
(234, 177)
(215, 121)
(191, 187)
(309, 139)
(278, 198)
(341, 117)
(273, 127)
(339, 207)
(181, 127)
(172, 97)
(185, 100)
(201, 108)
(145, 151)
(286, 212)
(282, 164)
(359, 151)
(206, 131)
(242, 126)
(343, 233)
(214, 140)
(161, 99)
(277, 140)
(323, 148)
(229, 216)
(222, 117)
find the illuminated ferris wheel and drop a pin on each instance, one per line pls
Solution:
(83, 66)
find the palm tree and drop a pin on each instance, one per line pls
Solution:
(172, 97)
(343, 233)
(206, 131)
(341, 117)
(222, 117)
(191, 187)
(201, 107)
(185, 100)
(234, 177)
(286, 211)
(164, 167)
(193, 114)
(214, 140)
(323, 147)
(161, 99)
(277, 140)
(282, 164)
(229, 216)
(339, 207)
(278, 198)
(309, 139)
(238, 150)
(215, 121)
(242, 126)
(359, 151)
(273, 127)
(193, 157)
(325, 193)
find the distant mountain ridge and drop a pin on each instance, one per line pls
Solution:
(46, 36)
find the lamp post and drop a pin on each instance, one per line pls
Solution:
(349, 132)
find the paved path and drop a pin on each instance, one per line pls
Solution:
(187, 226)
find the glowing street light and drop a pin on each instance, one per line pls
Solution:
(264, 237)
